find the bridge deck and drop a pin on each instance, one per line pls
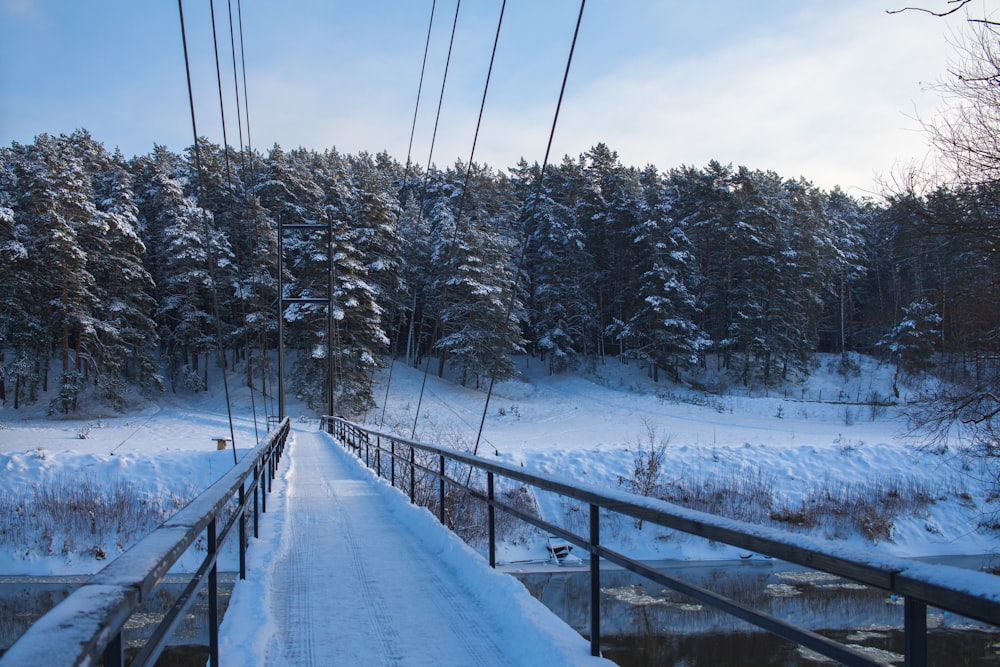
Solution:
(348, 573)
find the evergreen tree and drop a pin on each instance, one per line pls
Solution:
(558, 307)
(478, 321)
(14, 255)
(415, 239)
(54, 205)
(126, 333)
(184, 312)
(849, 225)
(375, 214)
(664, 320)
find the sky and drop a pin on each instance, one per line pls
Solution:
(833, 92)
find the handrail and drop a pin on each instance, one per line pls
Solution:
(87, 627)
(972, 594)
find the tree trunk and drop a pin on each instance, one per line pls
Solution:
(410, 332)
(79, 349)
(65, 331)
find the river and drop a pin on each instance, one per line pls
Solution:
(644, 624)
(641, 623)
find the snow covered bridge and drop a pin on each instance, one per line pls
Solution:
(350, 573)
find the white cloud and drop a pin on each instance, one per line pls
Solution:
(831, 99)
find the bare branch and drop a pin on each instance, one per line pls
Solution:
(959, 4)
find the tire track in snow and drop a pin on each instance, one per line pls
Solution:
(381, 630)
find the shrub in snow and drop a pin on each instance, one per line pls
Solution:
(81, 516)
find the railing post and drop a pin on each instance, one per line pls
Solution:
(915, 632)
(256, 503)
(491, 514)
(270, 471)
(114, 652)
(213, 599)
(413, 477)
(368, 462)
(441, 489)
(378, 455)
(262, 485)
(243, 531)
(392, 464)
(595, 581)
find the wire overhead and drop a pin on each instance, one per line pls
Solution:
(420, 87)
(209, 250)
(236, 82)
(444, 81)
(406, 178)
(538, 192)
(230, 189)
(465, 186)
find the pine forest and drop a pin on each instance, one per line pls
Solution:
(135, 275)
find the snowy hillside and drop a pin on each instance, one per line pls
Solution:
(820, 452)
(790, 458)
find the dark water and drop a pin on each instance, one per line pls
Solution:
(643, 623)
(24, 599)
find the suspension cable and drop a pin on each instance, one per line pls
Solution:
(406, 178)
(246, 102)
(253, 177)
(420, 87)
(236, 85)
(254, 237)
(209, 250)
(465, 189)
(444, 80)
(531, 211)
(430, 158)
(232, 208)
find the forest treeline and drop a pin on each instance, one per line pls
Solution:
(132, 273)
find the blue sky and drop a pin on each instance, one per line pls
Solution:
(825, 90)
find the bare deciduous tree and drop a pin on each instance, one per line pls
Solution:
(966, 134)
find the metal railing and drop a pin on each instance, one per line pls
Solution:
(975, 595)
(87, 627)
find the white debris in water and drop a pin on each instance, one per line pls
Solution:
(635, 594)
(783, 590)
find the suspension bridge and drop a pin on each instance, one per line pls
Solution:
(358, 573)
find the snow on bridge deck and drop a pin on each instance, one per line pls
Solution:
(347, 572)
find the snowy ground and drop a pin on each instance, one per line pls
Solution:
(818, 436)
(579, 425)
